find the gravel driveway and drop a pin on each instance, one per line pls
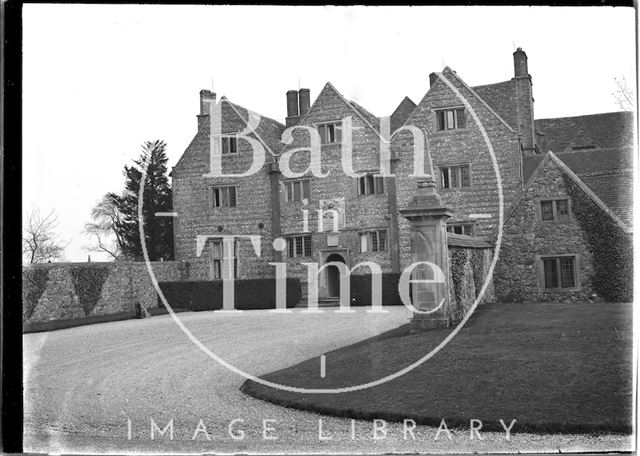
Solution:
(84, 385)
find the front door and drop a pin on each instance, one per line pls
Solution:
(333, 275)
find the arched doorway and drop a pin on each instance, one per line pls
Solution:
(333, 275)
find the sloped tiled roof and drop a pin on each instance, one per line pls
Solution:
(446, 76)
(402, 113)
(586, 161)
(371, 118)
(607, 130)
(615, 190)
(550, 156)
(607, 172)
(502, 98)
(460, 240)
(268, 130)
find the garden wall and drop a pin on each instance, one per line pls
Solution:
(469, 262)
(65, 291)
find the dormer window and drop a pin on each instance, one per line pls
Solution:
(450, 119)
(330, 133)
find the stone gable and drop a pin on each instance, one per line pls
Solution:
(526, 237)
(459, 147)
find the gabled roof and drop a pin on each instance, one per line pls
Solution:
(268, 131)
(501, 97)
(606, 130)
(372, 118)
(607, 172)
(402, 113)
(444, 77)
(550, 156)
(369, 119)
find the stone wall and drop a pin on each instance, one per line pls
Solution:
(469, 263)
(52, 292)
(526, 237)
(362, 212)
(192, 198)
(465, 146)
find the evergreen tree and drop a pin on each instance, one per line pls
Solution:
(156, 198)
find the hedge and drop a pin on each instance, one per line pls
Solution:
(361, 289)
(34, 283)
(88, 281)
(207, 295)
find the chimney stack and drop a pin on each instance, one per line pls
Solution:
(292, 107)
(206, 98)
(304, 96)
(524, 102)
(520, 65)
(432, 79)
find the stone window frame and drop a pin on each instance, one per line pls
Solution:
(538, 201)
(222, 186)
(455, 108)
(375, 173)
(292, 242)
(230, 136)
(540, 272)
(462, 224)
(213, 259)
(454, 165)
(368, 232)
(335, 123)
(293, 181)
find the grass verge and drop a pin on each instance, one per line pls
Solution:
(552, 367)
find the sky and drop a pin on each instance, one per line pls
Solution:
(100, 80)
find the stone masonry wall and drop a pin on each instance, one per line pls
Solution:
(125, 284)
(362, 212)
(192, 200)
(459, 147)
(518, 271)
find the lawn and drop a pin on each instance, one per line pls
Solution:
(552, 367)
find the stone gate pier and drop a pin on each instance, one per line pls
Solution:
(430, 288)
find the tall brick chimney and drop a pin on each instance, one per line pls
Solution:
(292, 108)
(524, 102)
(304, 97)
(520, 65)
(432, 79)
(206, 98)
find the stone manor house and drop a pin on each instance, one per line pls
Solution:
(567, 187)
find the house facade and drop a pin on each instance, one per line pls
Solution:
(491, 160)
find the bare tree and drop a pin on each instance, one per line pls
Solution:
(106, 217)
(40, 242)
(624, 95)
